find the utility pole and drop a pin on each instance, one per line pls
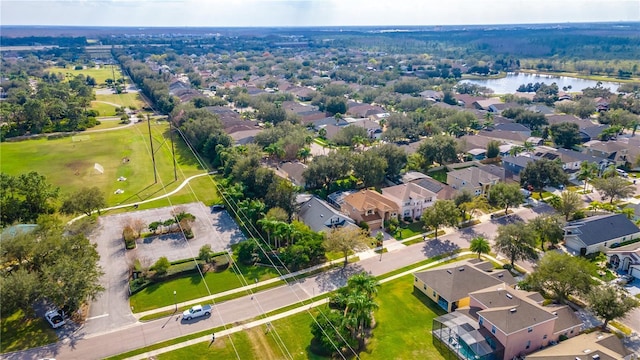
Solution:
(153, 156)
(173, 151)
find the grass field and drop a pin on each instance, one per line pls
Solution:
(407, 230)
(100, 74)
(128, 99)
(107, 124)
(192, 287)
(103, 109)
(19, 333)
(70, 165)
(403, 324)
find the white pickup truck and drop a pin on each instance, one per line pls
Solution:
(197, 311)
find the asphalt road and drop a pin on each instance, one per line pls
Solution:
(84, 346)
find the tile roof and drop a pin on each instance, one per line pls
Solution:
(410, 191)
(473, 175)
(370, 200)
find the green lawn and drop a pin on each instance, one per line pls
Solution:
(192, 287)
(236, 346)
(100, 74)
(407, 230)
(440, 175)
(103, 109)
(19, 333)
(69, 164)
(536, 195)
(128, 99)
(403, 324)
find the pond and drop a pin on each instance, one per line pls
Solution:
(512, 81)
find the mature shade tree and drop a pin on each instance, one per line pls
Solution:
(610, 302)
(565, 134)
(281, 194)
(396, 158)
(567, 203)
(517, 242)
(584, 108)
(493, 149)
(542, 173)
(65, 266)
(614, 188)
(440, 148)
(347, 135)
(480, 245)
(345, 240)
(325, 170)
(462, 201)
(442, 213)
(369, 167)
(548, 229)
(330, 337)
(505, 195)
(336, 105)
(560, 275)
(85, 200)
(25, 197)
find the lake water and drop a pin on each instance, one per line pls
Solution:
(512, 81)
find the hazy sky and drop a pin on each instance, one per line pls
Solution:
(311, 12)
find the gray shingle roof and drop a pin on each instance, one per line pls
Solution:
(456, 282)
(598, 229)
(320, 216)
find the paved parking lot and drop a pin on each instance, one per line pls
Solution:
(111, 310)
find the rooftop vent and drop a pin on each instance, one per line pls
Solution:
(509, 296)
(513, 310)
(500, 275)
(460, 269)
(595, 357)
(449, 271)
(555, 313)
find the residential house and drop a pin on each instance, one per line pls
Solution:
(449, 287)
(485, 104)
(442, 191)
(364, 110)
(514, 127)
(432, 95)
(320, 216)
(591, 132)
(598, 233)
(374, 131)
(302, 93)
(590, 346)
(515, 164)
(412, 199)
(473, 179)
(292, 171)
(370, 207)
(500, 107)
(496, 170)
(542, 109)
(616, 151)
(467, 101)
(241, 131)
(570, 159)
(514, 137)
(625, 258)
(491, 320)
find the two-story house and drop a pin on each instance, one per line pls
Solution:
(472, 179)
(504, 323)
(320, 216)
(412, 199)
(598, 233)
(625, 258)
(370, 207)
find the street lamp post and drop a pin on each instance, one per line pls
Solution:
(174, 300)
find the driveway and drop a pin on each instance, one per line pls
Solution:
(111, 309)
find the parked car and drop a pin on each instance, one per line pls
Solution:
(622, 173)
(197, 311)
(55, 318)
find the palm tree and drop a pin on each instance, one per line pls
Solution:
(365, 283)
(304, 154)
(480, 245)
(516, 150)
(528, 146)
(588, 170)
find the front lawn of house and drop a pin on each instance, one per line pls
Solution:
(20, 333)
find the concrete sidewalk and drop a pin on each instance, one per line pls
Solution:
(267, 321)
